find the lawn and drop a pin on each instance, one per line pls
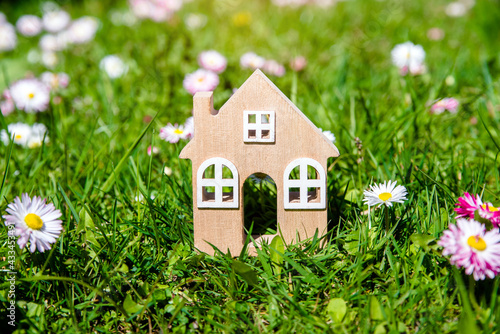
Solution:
(125, 260)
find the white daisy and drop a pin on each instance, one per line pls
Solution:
(55, 21)
(456, 9)
(408, 55)
(167, 171)
(19, 132)
(29, 25)
(141, 8)
(38, 136)
(83, 30)
(385, 193)
(173, 133)
(51, 42)
(213, 61)
(189, 127)
(195, 21)
(329, 135)
(49, 59)
(30, 95)
(8, 40)
(252, 61)
(113, 66)
(35, 221)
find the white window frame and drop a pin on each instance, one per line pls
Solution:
(258, 126)
(218, 183)
(303, 183)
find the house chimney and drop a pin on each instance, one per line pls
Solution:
(203, 105)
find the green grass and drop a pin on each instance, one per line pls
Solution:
(123, 265)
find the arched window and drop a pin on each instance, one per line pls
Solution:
(217, 184)
(304, 184)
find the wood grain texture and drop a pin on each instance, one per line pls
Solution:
(220, 135)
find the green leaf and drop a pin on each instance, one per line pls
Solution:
(89, 236)
(380, 329)
(245, 271)
(123, 269)
(351, 242)
(85, 221)
(131, 306)
(337, 309)
(375, 309)
(425, 241)
(277, 249)
(352, 195)
(34, 310)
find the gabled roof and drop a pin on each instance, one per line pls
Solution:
(259, 73)
(257, 76)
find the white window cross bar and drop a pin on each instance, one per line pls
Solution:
(217, 182)
(259, 126)
(303, 183)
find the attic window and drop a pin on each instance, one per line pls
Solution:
(258, 126)
(217, 184)
(304, 184)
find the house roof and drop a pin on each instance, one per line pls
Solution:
(255, 80)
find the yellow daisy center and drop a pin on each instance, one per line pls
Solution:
(31, 95)
(18, 137)
(384, 196)
(35, 144)
(33, 221)
(477, 243)
(490, 207)
(178, 132)
(201, 79)
(408, 55)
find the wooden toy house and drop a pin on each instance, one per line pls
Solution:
(258, 130)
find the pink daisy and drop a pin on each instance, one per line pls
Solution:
(153, 150)
(473, 248)
(449, 104)
(488, 211)
(213, 61)
(272, 67)
(6, 103)
(467, 205)
(200, 81)
(55, 80)
(298, 63)
(30, 95)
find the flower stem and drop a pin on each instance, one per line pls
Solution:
(472, 296)
(386, 211)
